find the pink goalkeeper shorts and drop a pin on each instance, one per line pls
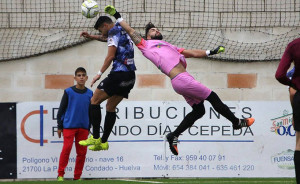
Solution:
(193, 91)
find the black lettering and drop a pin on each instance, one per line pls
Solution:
(248, 131)
(54, 113)
(136, 112)
(246, 111)
(54, 130)
(137, 128)
(237, 132)
(224, 130)
(191, 132)
(160, 129)
(158, 113)
(167, 130)
(212, 111)
(152, 127)
(202, 130)
(214, 129)
(117, 111)
(123, 128)
(167, 113)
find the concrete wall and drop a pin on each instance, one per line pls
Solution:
(40, 78)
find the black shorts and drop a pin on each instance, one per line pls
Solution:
(296, 110)
(118, 83)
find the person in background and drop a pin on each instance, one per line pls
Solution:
(73, 121)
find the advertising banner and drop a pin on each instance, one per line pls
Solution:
(210, 148)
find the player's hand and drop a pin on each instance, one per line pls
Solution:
(109, 9)
(217, 50)
(59, 132)
(97, 77)
(85, 34)
(102, 38)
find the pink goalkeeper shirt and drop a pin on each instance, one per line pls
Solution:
(162, 54)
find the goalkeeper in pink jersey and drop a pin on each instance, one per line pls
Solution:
(171, 61)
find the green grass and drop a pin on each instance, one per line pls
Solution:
(169, 181)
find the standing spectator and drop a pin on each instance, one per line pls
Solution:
(73, 122)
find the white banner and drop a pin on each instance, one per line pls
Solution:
(210, 148)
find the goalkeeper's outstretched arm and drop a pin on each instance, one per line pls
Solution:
(136, 37)
(197, 53)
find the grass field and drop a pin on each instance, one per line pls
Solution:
(170, 181)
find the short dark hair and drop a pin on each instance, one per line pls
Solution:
(148, 27)
(101, 20)
(80, 69)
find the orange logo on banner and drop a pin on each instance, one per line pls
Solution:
(23, 126)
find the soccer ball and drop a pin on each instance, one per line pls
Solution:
(90, 9)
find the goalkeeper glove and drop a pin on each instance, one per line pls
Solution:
(112, 11)
(216, 51)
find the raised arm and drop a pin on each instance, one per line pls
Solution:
(93, 37)
(135, 37)
(194, 53)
